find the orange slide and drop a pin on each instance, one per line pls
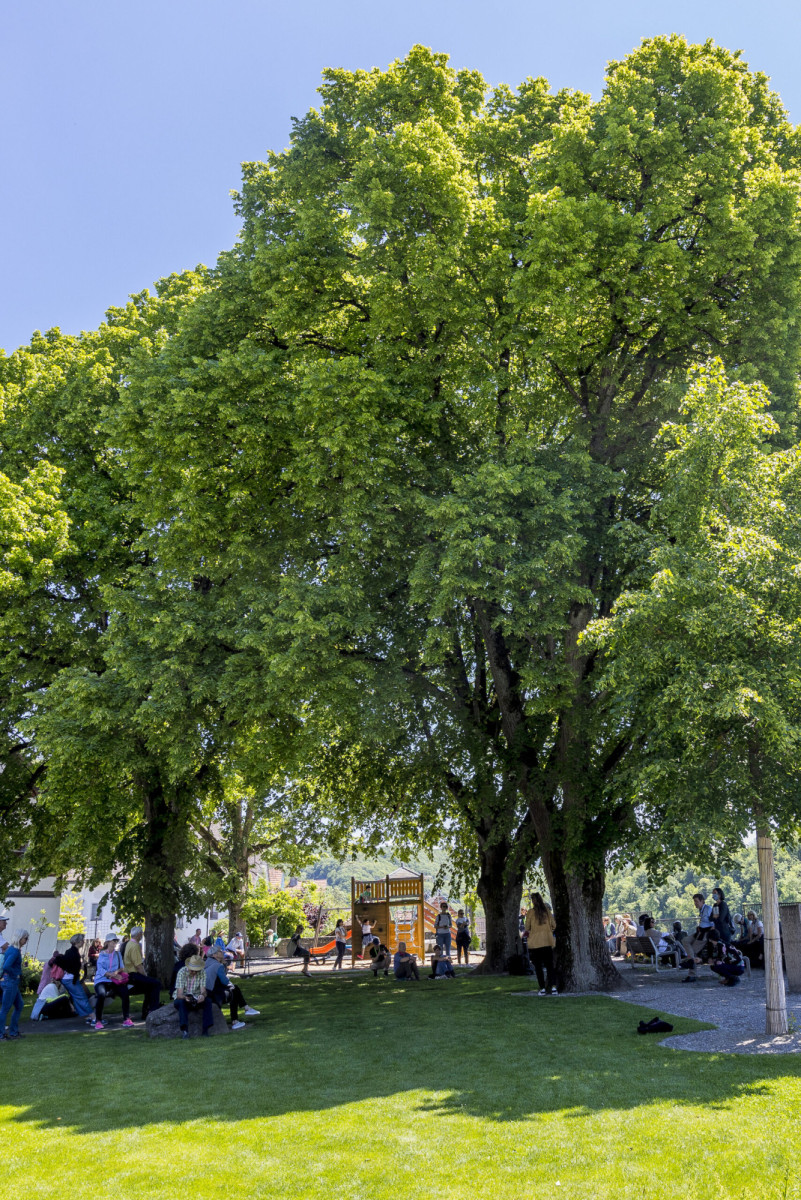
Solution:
(321, 952)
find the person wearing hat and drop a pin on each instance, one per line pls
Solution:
(222, 991)
(191, 994)
(110, 980)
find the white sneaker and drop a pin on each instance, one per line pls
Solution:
(251, 1012)
(543, 992)
(238, 1025)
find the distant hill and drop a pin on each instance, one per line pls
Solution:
(338, 874)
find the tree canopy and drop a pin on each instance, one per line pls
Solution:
(393, 456)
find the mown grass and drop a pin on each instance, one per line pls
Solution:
(353, 1087)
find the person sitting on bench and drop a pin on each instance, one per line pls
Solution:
(110, 980)
(139, 981)
(222, 991)
(236, 946)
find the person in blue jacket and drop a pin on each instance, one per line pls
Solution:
(9, 983)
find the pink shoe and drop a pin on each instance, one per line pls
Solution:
(128, 1024)
(98, 1024)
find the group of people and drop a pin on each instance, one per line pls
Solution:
(719, 940)
(200, 979)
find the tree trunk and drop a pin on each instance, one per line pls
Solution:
(500, 889)
(775, 999)
(582, 959)
(159, 937)
(235, 922)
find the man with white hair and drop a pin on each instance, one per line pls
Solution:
(135, 966)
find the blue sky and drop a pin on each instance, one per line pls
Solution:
(123, 123)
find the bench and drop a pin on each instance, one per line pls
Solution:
(646, 949)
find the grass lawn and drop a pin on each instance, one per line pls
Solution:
(352, 1087)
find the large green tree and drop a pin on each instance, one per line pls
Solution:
(34, 536)
(705, 658)
(111, 798)
(408, 437)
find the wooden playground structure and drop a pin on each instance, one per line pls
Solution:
(395, 905)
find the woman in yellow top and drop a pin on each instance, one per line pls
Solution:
(540, 926)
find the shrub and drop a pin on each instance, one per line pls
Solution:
(262, 905)
(31, 974)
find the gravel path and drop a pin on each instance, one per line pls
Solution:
(738, 1013)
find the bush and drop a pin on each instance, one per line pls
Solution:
(220, 929)
(31, 974)
(262, 905)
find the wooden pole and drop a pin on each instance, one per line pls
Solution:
(775, 1000)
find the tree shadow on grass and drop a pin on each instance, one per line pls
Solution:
(469, 1047)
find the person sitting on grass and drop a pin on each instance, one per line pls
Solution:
(191, 994)
(53, 1004)
(728, 961)
(405, 964)
(109, 981)
(222, 991)
(382, 960)
(10, 986)
(298, 951)
(441, 965)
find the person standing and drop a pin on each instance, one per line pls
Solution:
(109, 981)
(196, 937)
(341, 939)
(540, 925)
(463, 937)
(442, 928)
(10, 985)
(722, 918)
(134, 964)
